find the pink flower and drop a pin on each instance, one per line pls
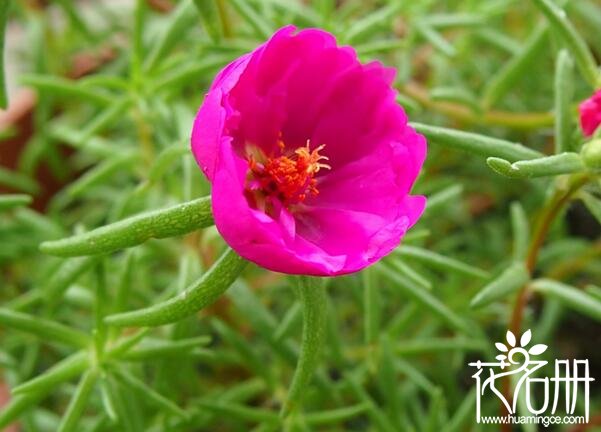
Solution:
(310, 158)
(590, 114)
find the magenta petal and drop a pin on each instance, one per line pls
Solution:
(590, 114)
(362, 237)
(296, 88)
(209, 123)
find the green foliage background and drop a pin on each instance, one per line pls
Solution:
(488, 82)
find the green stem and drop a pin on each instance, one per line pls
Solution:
(312, 295)
(201, 293)
(78, 402)
(544, 222)
(4, 7)
(172, 221)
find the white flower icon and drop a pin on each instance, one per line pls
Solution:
(511, 346)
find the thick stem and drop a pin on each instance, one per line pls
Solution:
(198, 295)
(312, 295)
(544, 222)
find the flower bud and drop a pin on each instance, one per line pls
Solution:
(591, 154)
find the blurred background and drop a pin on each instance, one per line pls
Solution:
(102, 95)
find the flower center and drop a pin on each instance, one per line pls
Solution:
(289, 178)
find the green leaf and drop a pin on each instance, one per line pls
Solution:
(125, 405)
(66, 369)
(521, 231)
(170, 222)
(68, 272)
(292, 317)
(51, 331)
(382, 46)
(39, 224)
(100, 307)
(297, 11)
(594, 291)
(424, 298)
(137, 44)
(75, 19)
(430, 345)
(108, 402)
(501, 41)
(18, 181)
(588, 11)
(563, 163)
(436, 40)
(201, 293)
(509, 281)
(371, 306)
(155, 398)
(437, 402)
(409, 104)
(16, 406)
(312, 295)
(564, 91)
(477, 144)
(125, 344)
(11, 201)
(250, 358)
(441, 199)
(261, 27)
(578, 47)
(416, 234)
(463, 413)
(516, 67)
(259, 317)
(190, 72)
(209, 14)
(409, 273)
(104, 119)
(161, 349)
(452, 20)
(335, 415)
(440, 262)
(569, 296)
(362, 28)
(181, 20)
(78, 402)
(402, 319)
(457, 95)
(4, 8)
(99, 174)
(67, 89)
(379, 418)
(240, 412)
(164, 160)
(413, 374)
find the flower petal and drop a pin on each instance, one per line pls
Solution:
(298, 87)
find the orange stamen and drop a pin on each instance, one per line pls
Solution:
(289, 178)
